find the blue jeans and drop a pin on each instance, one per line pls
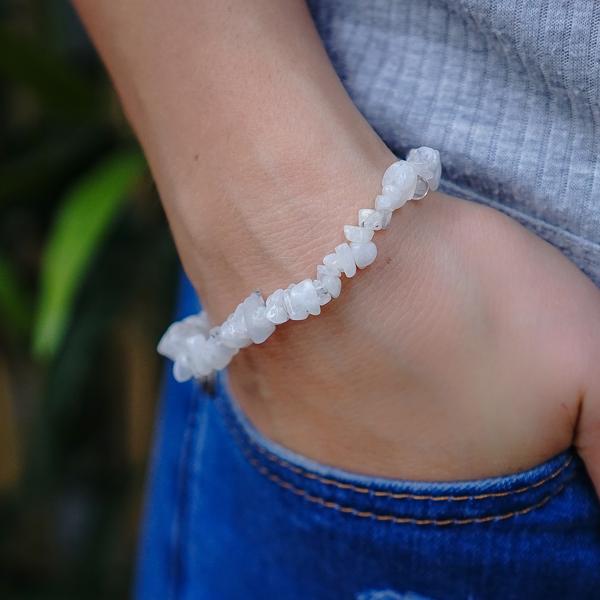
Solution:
(232, 515)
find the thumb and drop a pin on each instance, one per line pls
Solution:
(587, 440)
(587, 437)
(587, 433)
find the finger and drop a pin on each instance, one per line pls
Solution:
(587, 436)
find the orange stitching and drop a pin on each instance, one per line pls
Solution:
(404, 496)
(392, 518)
(396, 496)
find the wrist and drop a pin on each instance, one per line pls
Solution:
(273, 224)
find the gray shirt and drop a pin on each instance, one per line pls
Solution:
(508, 91)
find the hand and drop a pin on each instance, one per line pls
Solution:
(466, 350)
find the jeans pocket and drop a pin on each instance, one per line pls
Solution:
(294, 528)
(401, 501)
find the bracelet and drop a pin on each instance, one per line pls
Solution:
(197, 349)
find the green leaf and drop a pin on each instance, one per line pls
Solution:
(82, 221)
(14, 302)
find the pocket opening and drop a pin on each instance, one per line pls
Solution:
(397, 500)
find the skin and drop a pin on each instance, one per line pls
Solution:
(468, 349)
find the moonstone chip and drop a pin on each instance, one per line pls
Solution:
(364, 254)
(325, 270)
(399, 173)
(427, 164)
(172, 341)
(234, 331)
(217, 354)
(197, 355)
(275, 308)
(345, 260)
(374, 219)
(357, 234)
(182, 370)
(259, 327)
(330, 281)
(185, 343)
(333, 285)
(296, 311)
(322, 293)
(304, 297)
(398, 185)
(331, 261)
(199, 321)
(389, 203)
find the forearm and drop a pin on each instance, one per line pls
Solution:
(256, 148)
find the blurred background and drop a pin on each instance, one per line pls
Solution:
(87, 280)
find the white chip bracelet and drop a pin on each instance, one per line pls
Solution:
(197, 349)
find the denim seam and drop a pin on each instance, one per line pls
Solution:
(404, 495)
(402, 520)
(237, 430)
(245, 446)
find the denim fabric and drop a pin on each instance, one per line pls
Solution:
(232, 515)
(508, 91)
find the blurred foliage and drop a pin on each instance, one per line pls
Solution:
(87, 273)
(84, 216)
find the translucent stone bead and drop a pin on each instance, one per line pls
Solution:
(357, 234)
(398, 186)
(217, 354)
(330, 281)
(399, 174)
(427, 164)
(364, 254)
(327, 270)
(199, 322)
(322, 293)
(182, 370)
(258, 326)
(234, 331)
(197, 357)
(304, 297)
(276, 312)
(374, 219)
(331, 261)
(294, 311)
(171, 343)
(345, 260)
(389, 203)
